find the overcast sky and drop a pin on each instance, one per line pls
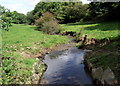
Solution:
(23, 6)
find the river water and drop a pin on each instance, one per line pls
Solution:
(66, 67)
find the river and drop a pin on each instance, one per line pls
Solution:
(66, 67)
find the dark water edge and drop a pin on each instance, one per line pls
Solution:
(66, 68)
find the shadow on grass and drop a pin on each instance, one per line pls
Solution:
(105, 26)
(37, 28)
(81, 23)
(34, 27)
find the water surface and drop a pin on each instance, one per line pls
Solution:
(66, 67)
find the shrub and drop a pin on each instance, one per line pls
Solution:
(48, 24)
(51, 27)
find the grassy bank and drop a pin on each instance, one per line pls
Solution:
(106, 51)
(94, 30)
(20, 44)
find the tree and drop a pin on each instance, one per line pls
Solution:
(75, 12)
(63, 11)
(18, 18)
(106, 11)
(30, 18)
(5, 18)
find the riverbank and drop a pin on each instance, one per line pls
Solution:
(21, 45)
(103, 40)
(104, 57)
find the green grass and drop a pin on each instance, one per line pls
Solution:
(94, 30)
(23, 38)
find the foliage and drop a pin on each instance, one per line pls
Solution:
(67, 12)
(18, 18)
(30, 18)
(104, 11)
(47, 16)
(51, 27)
(63, 11)
(5, 19)
(48, 24)
(75, 12)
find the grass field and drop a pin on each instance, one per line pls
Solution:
(23, 39)
(94, 30)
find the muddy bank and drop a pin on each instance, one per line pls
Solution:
(44, 51)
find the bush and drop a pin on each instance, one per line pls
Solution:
(51, 27)
(48, 24)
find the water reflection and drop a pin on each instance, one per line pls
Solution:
(65, 67)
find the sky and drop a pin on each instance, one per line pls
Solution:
(23, 6)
